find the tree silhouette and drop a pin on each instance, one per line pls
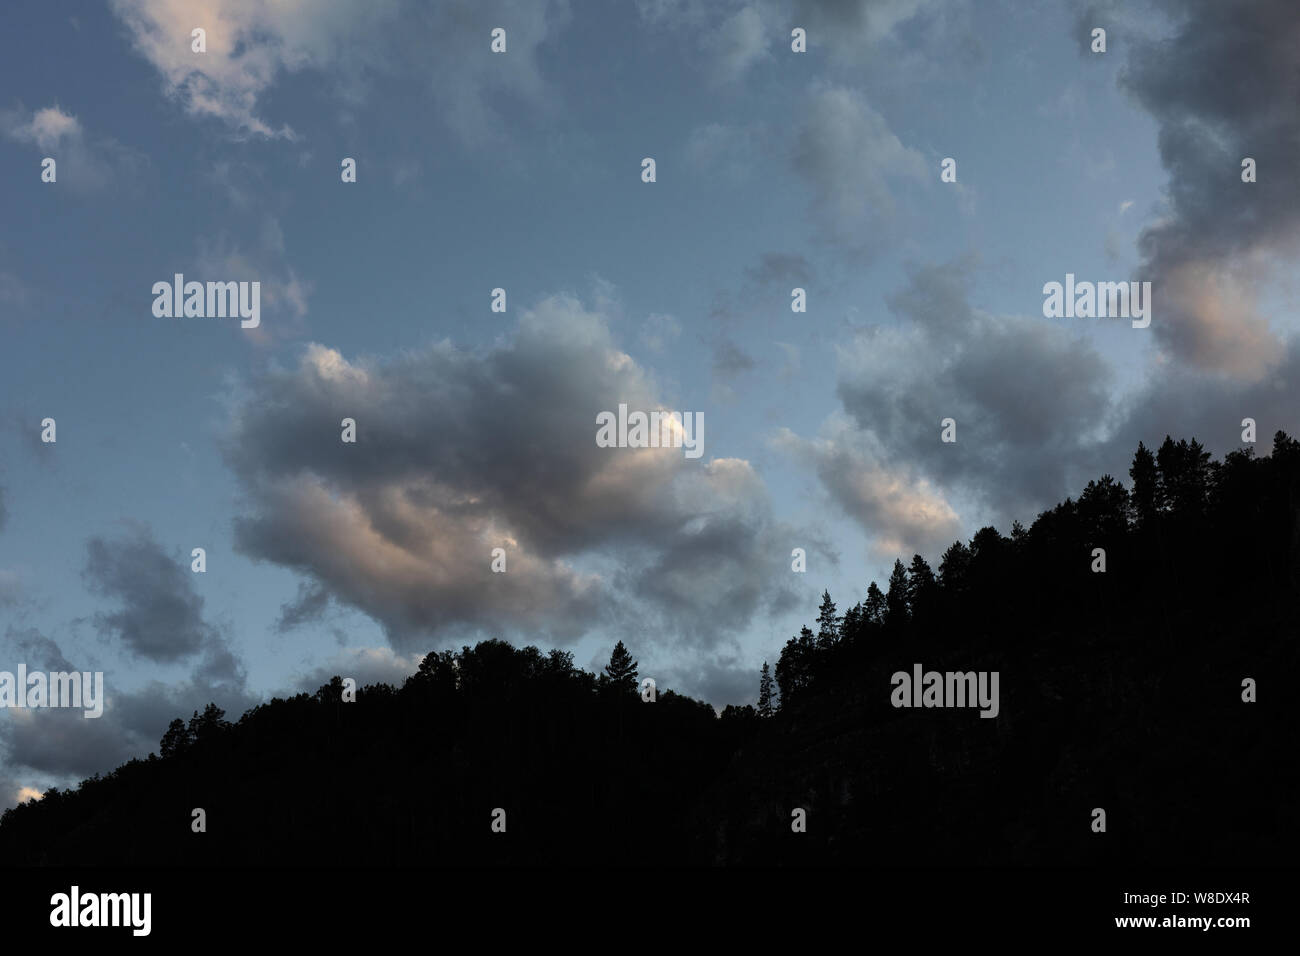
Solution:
(794, 666)
(176, 739)
(621, 669)
(765, 705)
(896, 596)
(1203, 591)
(1146, 478)
(208, 724)
(921, 587)
(828, 624)
(875, 606)
(954, 566)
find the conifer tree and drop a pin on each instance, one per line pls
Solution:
(765, 705)
(621, 669)
(828, 623)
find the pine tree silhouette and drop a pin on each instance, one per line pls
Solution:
(621, 669)
(766, 708)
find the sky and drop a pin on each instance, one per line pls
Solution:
(523, 170)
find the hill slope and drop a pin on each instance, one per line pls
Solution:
(1120, 690)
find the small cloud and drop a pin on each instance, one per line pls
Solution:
(83, 165)
(659, 331)
(729, 360)
(793, 364)
(726, 150)
(779, 267)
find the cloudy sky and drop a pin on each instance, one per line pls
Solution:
(475, 429)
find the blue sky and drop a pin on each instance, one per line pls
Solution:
(522, 170)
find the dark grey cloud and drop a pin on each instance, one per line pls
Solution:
(1031, 400)
(781, 268)
(161, 617)
(850, 25)
(1104, 14)
(461, 452)
(308, 607)
(1222, 85)
(1037, 415)
(4, 514)
(730, 360)
(59, 746)
(11, 590)
(1187, 402)
(34, 649)
(721, 680)
(26, 424)
(63, 742)
(851, 159)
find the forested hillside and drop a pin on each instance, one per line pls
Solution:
(1120, 689)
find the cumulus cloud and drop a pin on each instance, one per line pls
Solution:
(248, 45)
(659, 332)
(730, 360)
(726, 678)
(61, 742)
(58, 746)
(251, 44)
(161, 615)
(725, 148)
(850, 26)
(365, 665)
(732, 35)
(83, 165)
(740, 41)
(735, 35)
(849, 156)
(37, 651)
(307, 608)
(1036, 410)
(899, 509)
(781, 268)
(1221, 88)
(284, 295)
(1032, 400)
(1032, 404)
(1187, 402)
(461, 452)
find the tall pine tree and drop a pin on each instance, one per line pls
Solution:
(896, 596)
(765, 706)
(621, 669)
(1145, 486)
(828, 623)
(875, 605)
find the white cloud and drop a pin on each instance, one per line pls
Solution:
(82, 165)
(251, 43)
(900, 511)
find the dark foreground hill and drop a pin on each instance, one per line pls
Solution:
(1122, 690)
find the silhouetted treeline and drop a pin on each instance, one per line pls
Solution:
(1119, 690)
